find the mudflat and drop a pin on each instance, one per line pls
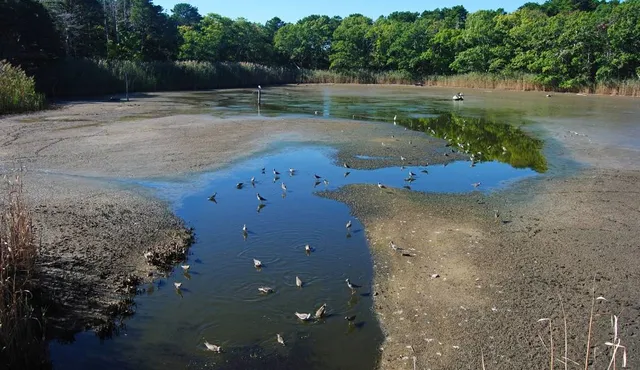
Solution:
(465, 288)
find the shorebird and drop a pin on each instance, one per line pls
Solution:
(257, 263)
(212, 347)
(239, 185)
(303, 316)
(351, 285)
(496, 215)
(346, 165)
(348, 224)
(409, 140)
(475, 184)
(326, 182)
(307, 248)
(298, 282)
(284, 187)
(321, 311)
(265, 289)
(316, 183)
(402, 158)
(292, 171)
(275, 173)
(244, 229)
(259, 87)
(317, 177)
(424, 171)
(351, 318)
(253, 180)
(263, 169)
(393, 245)
(410, 179)
(411, 174)
(177, 285)
(316, 113)
(395, 117)
(279, 339)
(260, 198)
(381, 186)
(185, 267)
(212, 197)
(346, 174)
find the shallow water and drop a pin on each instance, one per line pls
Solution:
(219, 301)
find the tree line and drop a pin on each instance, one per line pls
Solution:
(565, 43)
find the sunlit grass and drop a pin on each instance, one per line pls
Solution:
(17, 90)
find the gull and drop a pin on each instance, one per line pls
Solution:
(402, 158)
(263, 169)
(265, 289)
(411, 174)
(292, 171)
(284, 187)
(244, 228)
(307, 248)
(303, 316)
(257, 263)
(298, 282)
(346, 165)
(316, 113)
(239, 185)
(259, 87)
(352, 286)
(260, 198)
(382, 142)
(321, 311)
(381, 186)
(395, 117)
(212, 197)
(185, 267)
(326, 182)
(279, 339)
(253, 180)
(317, 177)
(275, 173)
(393, 245)
(350, 318)
(212, 347)
(475, 184)
(177, 285)
(409, 140)
(349, 224)
(346, 174)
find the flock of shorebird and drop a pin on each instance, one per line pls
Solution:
(320, 312)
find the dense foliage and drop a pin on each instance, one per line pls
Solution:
(17, 90)
(564, 44)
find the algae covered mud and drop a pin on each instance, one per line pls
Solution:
(415, 143)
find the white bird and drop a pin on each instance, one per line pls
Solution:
(212, 347)
(346, 165)
(298, 282)
(381, 186)
(349, 224)
(244, 228)
(253, 180)
(185, 267)
(326, 182)
(303, 316)
(292, 171)
(475, 184)
(259, 87)
(265, 289)
(307, 248)
(321, 311)
(260, 198)
(177, 285)
(393, 245)
(257, 263)
(316, 113)
(395, 117)
(275, 173)
(284, 187)
(279, 338)
(402, 158)
(411, 174)
(351, 285)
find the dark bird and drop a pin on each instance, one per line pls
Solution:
(352, 286)
(348, 224)
(346, 174)
(213, 197)
(275, 173)
(346, 165)
(381, 186)
(351, 318)
(239, 185)
(260, 198)
(317, 177)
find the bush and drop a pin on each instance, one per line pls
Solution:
(17, 90)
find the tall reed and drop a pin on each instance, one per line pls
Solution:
(17, 90)
(22, 344)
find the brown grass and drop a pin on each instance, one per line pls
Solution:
(22, 344)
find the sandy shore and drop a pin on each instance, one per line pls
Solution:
(495, 278)
(95, 229)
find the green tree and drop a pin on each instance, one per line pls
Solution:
(351, 48)
(308, 42)
(185, 14)
(80, 24)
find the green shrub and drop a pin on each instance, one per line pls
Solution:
(17, 90)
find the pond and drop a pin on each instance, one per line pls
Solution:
(219, 301)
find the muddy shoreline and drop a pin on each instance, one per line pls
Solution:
(495, 278)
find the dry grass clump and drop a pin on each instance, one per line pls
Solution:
(17, 90)
(22, 344)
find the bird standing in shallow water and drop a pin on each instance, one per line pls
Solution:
(326, 182)
(496, 215)
(348, 224)
(475, 184)
(257, 263)
(260, 198)
(284, 187)
(352, 286)
(280, 339)
(351, 318)
(317, 177)
(381, 186)
(213, 197)
(298, 282)
(239, 185)
(275, 173)
(292, 171)
(177, 285)
(185, 267)
(244, 229)
(346, 165)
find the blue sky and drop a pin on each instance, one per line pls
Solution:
(291, 10)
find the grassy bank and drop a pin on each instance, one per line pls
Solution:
(17, 91)
(84, 77)
(524, 82)
(22, 344)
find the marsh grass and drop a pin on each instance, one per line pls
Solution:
(22, 344)
(85, 77)
(511, 81)
(17, 90)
